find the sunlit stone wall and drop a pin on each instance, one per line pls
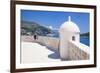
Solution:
(78, 51)
(50, 42)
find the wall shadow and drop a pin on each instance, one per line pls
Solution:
(54, 55)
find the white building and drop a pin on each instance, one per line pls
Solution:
(68, 31)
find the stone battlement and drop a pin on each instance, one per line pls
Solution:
(76, 50)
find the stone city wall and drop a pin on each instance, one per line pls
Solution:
(78, 51)
(51, 42)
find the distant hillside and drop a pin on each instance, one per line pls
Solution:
(85, 34)
(33, 27)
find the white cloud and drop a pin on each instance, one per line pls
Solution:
(50, 27)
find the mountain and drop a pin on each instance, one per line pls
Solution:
(85, 34)
(33, 27)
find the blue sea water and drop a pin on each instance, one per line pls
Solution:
(85, 40)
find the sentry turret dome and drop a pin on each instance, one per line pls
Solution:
(69, 26)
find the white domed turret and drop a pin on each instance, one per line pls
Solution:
(68, 31)
(69, 26)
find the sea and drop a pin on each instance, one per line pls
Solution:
(85, 40)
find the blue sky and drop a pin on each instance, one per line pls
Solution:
(55, 19)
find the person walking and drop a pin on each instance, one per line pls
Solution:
(35, 36)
